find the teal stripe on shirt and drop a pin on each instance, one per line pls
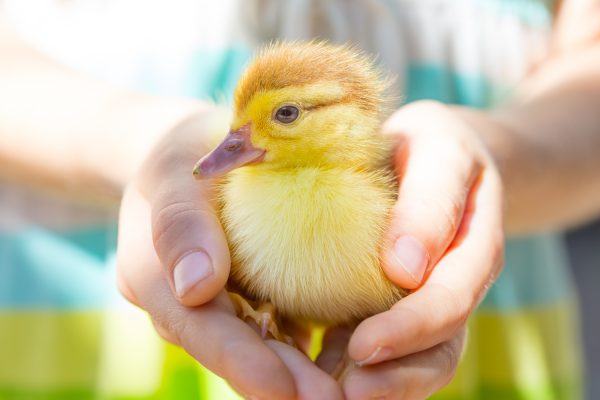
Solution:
(43, 269)
(535, 274)
(434, 82)
(533, 13)
(213, 74)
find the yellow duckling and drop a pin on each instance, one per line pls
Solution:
(308, 189)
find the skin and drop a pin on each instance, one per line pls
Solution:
(69, 133)
(428, 325)
(520, 154)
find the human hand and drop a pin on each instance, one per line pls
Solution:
(173, 257)
(445, 240)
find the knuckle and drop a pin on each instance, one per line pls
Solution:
(459, 149)
(230, 354)
(498, 257)
(328, 390)
(408, 112)
(169, 216)
(393, 326)
(450, 357)
(126, 291)
(170, 326)
(447, 216)
(460, 306)
(451, 353)
(164, 333)
(124, 285)
(168, 156)
(464, 310)
(174, 225)
(426, 106)
(451, 212)
(419, 324)
(359, 386)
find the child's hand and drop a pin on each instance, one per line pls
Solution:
(447, 232)
(450, 197)
(168, 227)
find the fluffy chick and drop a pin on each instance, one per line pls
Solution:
(308, 189)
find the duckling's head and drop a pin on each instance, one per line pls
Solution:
(304, 105)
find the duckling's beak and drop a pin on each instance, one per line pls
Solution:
(233, 152)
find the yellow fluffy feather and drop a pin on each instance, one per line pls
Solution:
(306, 210)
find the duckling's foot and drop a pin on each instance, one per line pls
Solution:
(264, 315)
(345, 365)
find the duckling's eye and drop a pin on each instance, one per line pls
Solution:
(287, 114)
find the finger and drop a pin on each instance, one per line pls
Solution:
(226, 345)
(189, 240)
(335, 343)
(435, 312)
(212, 334)
(430, 206)
(187, 234)
(416, 376)
(311, 383)
(231, 349)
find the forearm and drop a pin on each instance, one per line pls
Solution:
(63, 129)
(546, 143)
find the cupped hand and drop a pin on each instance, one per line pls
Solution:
(173, 257)
(445, 240)
(174, 262)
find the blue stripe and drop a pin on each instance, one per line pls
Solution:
(435, 82)
(213, 74)
(535, 274)
(42, 269)
(535, 13)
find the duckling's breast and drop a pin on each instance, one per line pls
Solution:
(308, 240)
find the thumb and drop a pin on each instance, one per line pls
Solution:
(188, 237)
(190, 242)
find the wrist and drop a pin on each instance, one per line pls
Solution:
(521, 162)
(510, 154)
(495, 136)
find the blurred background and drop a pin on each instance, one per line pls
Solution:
(66, 333)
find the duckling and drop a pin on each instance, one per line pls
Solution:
(307, 188)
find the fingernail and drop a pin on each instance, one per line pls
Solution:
(380, 354)
(412, 257)
(190, 270)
